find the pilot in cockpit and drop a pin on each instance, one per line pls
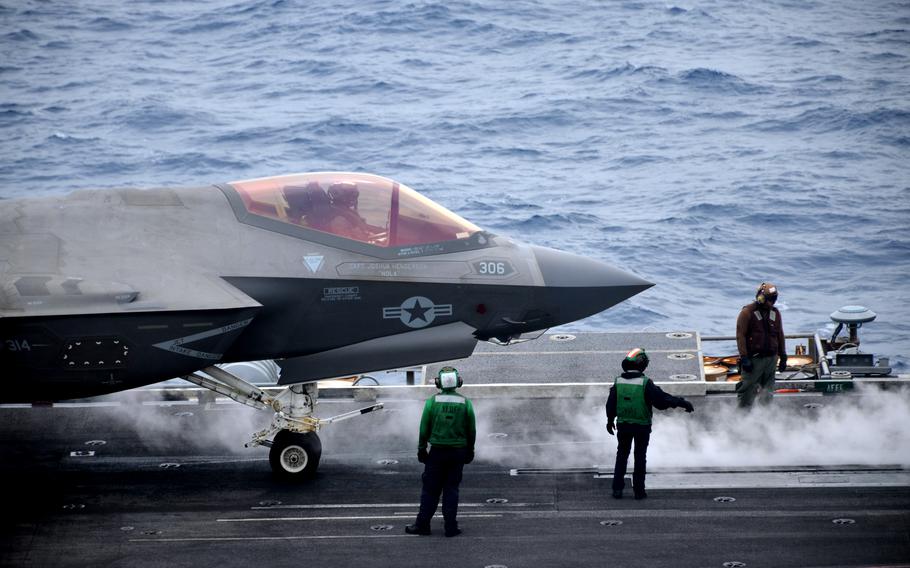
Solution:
(306, 204)
(333, 211)
(345, 220)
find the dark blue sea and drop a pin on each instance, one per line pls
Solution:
(706, 146)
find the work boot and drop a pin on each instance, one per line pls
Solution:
(417, 529)
(453, 532)
(617, 493)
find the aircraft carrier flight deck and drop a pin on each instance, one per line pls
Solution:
(150, 478)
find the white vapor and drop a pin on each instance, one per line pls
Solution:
(870, 427)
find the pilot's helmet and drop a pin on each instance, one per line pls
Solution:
(304, 199)
(298, 198)
(344, 194)
(448, 378)
(636, 360)
(766, 292)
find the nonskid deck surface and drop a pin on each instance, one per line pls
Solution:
(161, 484)
(580, 358)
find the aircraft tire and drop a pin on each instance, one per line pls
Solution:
(295, 456)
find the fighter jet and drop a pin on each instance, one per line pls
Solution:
(330, 273)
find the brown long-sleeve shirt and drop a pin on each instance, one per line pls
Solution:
(760, 331)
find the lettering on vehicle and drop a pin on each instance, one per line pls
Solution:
(17, 345)
(341, 294)
(421, 250)
(493, 268)
(176, 345)
(417, 311)
(405, 269)
(385, 269)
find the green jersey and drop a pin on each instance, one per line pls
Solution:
(448, 420)
(631, 406)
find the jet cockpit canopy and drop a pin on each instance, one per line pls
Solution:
(365, 208)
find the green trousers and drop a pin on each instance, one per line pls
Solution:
(757, 382)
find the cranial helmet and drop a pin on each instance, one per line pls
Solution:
(636, 360)
(344, 194)
(766, 292)
(448, 378)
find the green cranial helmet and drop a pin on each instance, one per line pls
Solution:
(448, 378)
(636, 360)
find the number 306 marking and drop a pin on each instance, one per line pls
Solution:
(493, 268)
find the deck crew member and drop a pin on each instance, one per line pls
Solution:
(632, 399)
(448, 425)
(760, 341)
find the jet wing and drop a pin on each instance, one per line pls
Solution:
(59, 258)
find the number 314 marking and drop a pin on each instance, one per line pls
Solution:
(17, 345)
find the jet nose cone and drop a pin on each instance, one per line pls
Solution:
(583, 286)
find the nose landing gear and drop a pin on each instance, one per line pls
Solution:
(295, 449)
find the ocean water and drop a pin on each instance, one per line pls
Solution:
(706, 146)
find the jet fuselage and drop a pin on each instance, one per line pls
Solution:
(107, 290)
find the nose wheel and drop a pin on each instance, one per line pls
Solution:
(294, 455)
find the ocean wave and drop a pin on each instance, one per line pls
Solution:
(477, 206)
(888, 33)
(364, 86)
(21, 35)
(67, 139)
(204, 26)
(105, 24)
(408, 19)
(197, 164)
(689, 12)
(799, 41)
(723, 115)
(530, 38)
(705, 79)
(156, 115)
(710, 209)
(340, 126)
(551, 221)
(886, 56)
(637, 161)
(13, 114)
(512, 152)
(626, 69)
(841, 155)
(57, 44)
(829, 118)
(266, 8)
(319, 68)
(254, 134)
(814, 79)
(518, 122)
